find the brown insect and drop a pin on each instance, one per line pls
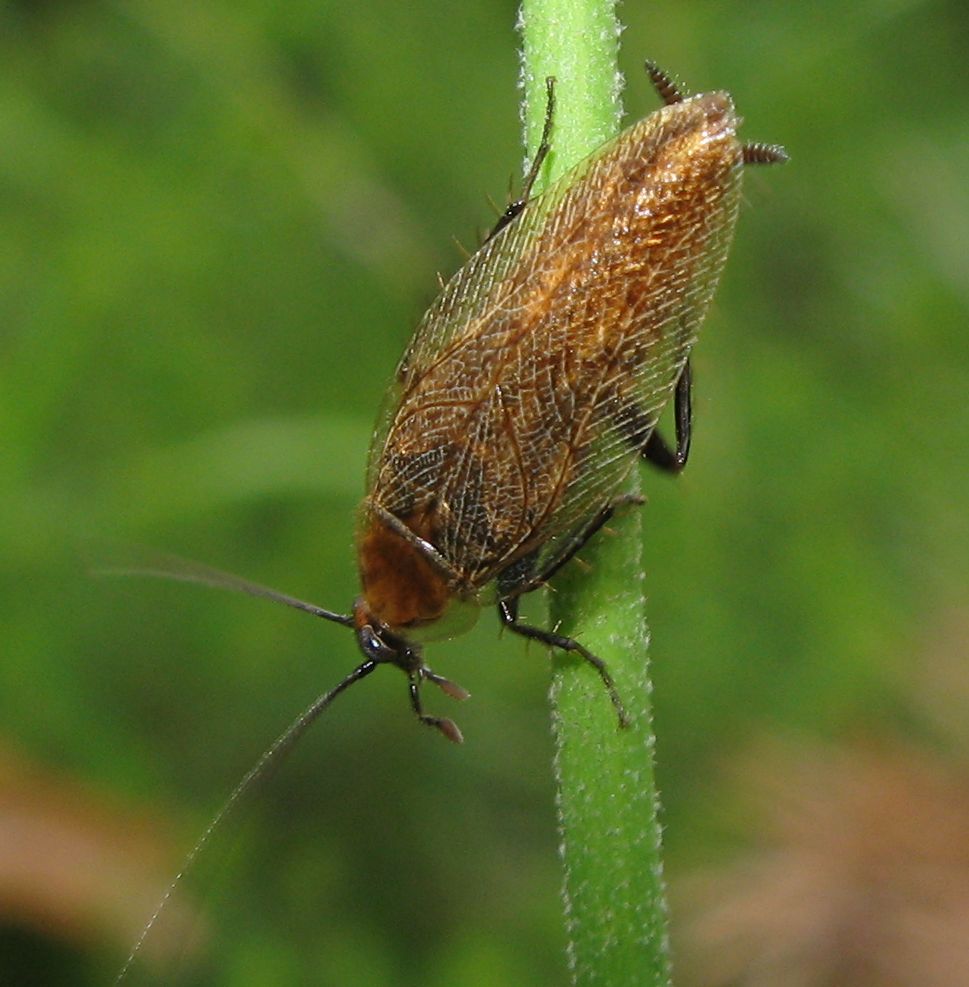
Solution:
(531, 388)
(533, 385)
(534, 382)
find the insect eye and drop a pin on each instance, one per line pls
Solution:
(373, 646)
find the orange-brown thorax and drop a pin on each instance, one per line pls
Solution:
(402, 587)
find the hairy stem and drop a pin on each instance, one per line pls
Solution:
(613, 883)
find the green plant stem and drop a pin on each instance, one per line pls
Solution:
(613, 883)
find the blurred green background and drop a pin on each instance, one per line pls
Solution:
(218, 224)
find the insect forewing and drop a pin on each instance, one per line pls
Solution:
(534, 380)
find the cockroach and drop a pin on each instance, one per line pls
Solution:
(535, 381)
(530, 389)
(533, 385)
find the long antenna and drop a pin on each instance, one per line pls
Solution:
(162, 566)
(269, 759)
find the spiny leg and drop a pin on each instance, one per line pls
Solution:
(656, 451)
(508, 614)
(523, 578)
(581, 539)
(545, 142)
(448, 727)
(513, 209)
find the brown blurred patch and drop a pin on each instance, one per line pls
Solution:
(861, 877)
(858, 872)
(76, 866)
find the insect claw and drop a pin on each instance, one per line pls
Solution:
(615, 698)
(624, 721)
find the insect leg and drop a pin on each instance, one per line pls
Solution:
(522, 577)
(448, 727)
(513, 209)
(656, 451)
(508, 614)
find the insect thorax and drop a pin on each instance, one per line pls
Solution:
(405, 587)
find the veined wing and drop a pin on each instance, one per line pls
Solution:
(465, 303)
(536, 377)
